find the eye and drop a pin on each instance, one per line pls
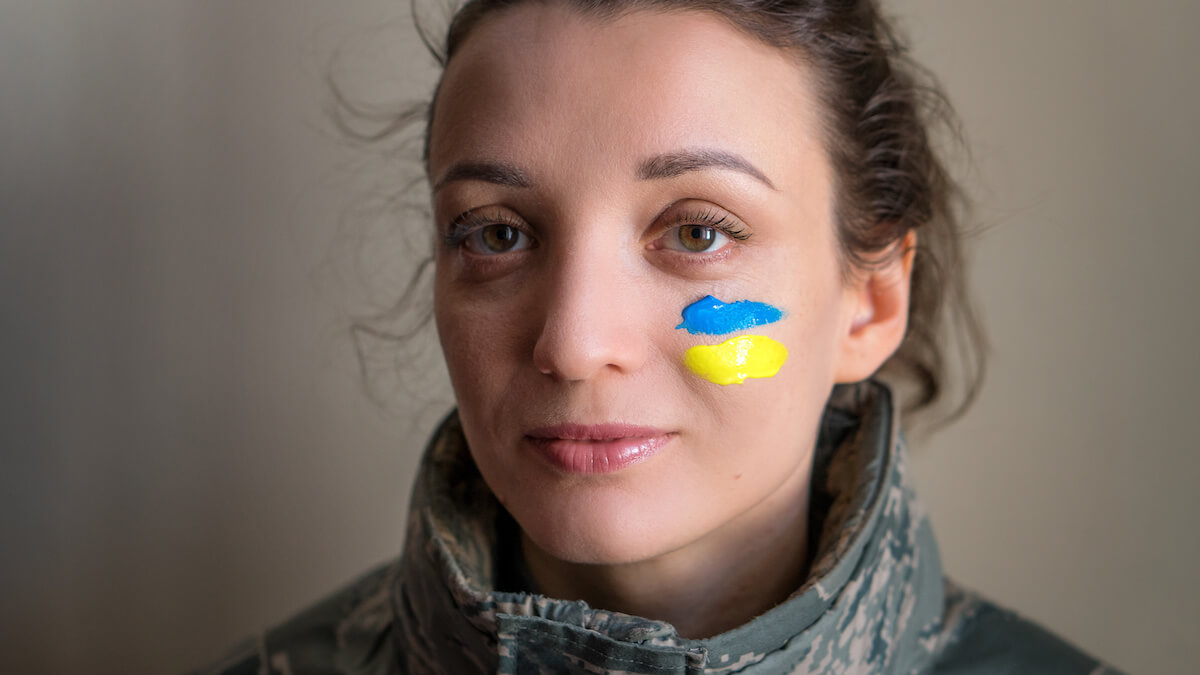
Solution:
(495, 239)
(700, 238)
(699, 231)
(487, 234)
(695, 239)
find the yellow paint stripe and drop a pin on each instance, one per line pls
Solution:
(735, 359)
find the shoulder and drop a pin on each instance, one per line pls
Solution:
(347, 633)
(983, 638)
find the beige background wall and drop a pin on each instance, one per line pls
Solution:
(187, 451)
(1071, 491)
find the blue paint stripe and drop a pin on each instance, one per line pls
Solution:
(710, 316)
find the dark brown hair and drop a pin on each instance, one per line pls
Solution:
(880, 108)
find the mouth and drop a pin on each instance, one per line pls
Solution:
(596, 448)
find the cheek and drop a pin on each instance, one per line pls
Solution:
(479, 340)
(811, 331)
(777, 370)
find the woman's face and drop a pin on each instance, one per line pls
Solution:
(592, 178)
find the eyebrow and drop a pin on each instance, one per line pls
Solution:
(666, 165)
(672, 164)
(498, 173)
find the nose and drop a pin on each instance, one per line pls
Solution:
(591, 323)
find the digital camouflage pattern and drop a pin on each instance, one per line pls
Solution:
(875, 601)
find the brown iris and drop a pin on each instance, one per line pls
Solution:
(697, 237)
(499, 238)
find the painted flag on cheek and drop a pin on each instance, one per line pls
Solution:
(738, 358)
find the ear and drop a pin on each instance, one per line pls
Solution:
(876, 313)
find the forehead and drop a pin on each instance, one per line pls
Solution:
(541, 83)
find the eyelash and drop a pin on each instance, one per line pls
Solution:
(467, 223)
(710, 218)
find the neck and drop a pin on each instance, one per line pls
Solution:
(708, 587)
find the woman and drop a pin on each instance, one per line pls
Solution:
(676, 240)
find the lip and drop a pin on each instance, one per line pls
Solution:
(596, 448)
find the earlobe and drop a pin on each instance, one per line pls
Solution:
(879, 313)
(863, 318)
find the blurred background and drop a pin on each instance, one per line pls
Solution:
(189, 449)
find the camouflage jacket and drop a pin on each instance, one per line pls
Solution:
(875, 601)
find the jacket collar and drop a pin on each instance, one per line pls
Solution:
(872, 601)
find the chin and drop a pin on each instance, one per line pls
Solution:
(596, 536)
